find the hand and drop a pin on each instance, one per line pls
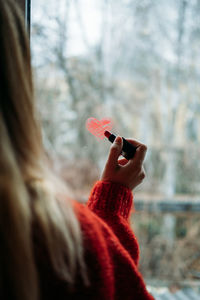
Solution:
(130, 173)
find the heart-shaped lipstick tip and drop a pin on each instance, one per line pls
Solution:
(97, 128)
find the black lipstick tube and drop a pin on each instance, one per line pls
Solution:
(128, 150)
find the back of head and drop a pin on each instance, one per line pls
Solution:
(24, 176)
(16, 90)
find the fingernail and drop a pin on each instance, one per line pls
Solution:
(118, 140)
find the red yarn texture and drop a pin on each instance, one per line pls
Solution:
(111, 250)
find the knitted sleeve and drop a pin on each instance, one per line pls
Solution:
(112, 203)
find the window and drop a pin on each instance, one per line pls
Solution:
(137, 62)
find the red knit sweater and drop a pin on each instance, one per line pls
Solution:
(111, 250)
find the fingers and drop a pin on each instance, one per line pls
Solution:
(140, 151)
(139, 156)
(142, 175)
(115, 152)
(128, 172)
(134, 142)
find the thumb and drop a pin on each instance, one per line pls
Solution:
(115, 151)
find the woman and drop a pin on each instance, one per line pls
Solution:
(51, 247)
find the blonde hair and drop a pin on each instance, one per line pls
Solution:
(29, 192)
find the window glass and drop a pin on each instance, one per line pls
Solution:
(137, 62)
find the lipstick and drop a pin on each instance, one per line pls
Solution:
(128, 150)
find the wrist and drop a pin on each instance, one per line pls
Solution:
(116, 181)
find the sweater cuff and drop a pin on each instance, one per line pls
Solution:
(111, 198)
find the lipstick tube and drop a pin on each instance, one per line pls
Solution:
(128, 150)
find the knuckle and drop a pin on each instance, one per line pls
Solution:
(142, 175)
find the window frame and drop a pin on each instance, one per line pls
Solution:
(26, 9)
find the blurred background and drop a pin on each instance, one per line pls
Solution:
(137, 62)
